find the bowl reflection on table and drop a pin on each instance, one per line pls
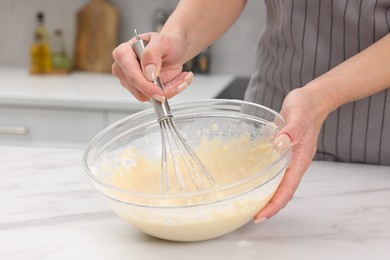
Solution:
(232, 138)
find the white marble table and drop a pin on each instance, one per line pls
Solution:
(50, 211)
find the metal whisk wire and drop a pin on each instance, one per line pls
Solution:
(176, 154)
(182, 159)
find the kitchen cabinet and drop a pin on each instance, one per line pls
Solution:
(69, 110)
(48, 127)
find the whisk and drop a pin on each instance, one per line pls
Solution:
(178, 161)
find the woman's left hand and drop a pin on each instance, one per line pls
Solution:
(303, 125)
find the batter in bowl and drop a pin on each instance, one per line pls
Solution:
(227, 161)
(237, 165)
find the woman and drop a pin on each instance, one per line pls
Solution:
(324, 64)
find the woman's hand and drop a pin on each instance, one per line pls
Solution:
(305, 110)
(163, 57)
(304, 119)
(180, 40)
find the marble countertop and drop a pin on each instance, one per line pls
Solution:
(89, 90)
(50, 211)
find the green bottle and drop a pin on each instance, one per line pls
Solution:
(60, 58)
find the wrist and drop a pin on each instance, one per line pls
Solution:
(322, 97)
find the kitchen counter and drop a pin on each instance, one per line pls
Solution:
(92, 91)
(67, 111)
(50, 211)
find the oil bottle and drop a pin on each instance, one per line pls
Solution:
(40, 51)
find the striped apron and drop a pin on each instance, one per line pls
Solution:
(306, 38)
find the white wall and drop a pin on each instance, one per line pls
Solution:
(233, 53)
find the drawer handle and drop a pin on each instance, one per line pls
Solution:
(13, 130)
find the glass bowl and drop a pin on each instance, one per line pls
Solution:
(234, 140)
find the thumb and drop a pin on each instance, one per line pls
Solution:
(282, 141)
(290, 134)
(151, 59)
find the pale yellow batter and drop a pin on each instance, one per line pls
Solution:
(229, 161)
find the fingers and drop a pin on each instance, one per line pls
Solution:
(162, 57)
(127, 68)
(117, 71)
(300, 161)
(285, 192)
(178, 84)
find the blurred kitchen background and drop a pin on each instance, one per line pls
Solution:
(233, 53)
(67, 107)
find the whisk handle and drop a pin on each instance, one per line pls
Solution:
(162, 109)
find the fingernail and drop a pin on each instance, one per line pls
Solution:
(159, 98)
(181, 87)
(150, 72)
(282, 142)
(187, 81)
(189, 77)
(259, 220)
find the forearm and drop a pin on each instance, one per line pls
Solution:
(361, 76)
(201, 22)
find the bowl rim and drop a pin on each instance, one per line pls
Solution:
(286, 153)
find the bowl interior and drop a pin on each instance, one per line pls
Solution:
(233, 139)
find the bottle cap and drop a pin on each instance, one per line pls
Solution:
(40, 17)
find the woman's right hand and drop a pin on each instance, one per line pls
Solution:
(163, 57)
